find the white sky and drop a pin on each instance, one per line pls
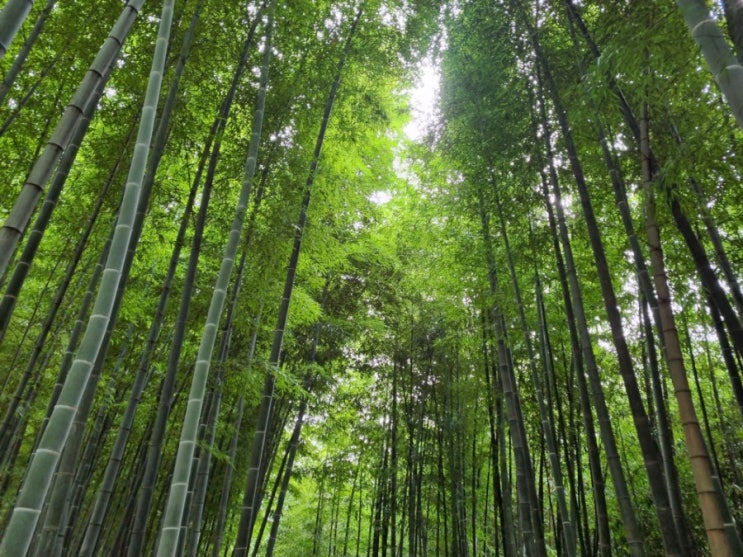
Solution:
(423, 99)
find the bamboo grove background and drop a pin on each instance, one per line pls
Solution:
(243, 313)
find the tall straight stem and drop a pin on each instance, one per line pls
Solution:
(33, 494)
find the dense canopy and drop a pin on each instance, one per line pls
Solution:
(254, 301)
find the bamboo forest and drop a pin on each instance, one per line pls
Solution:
(371, 278)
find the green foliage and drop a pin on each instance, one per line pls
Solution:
(405, 419)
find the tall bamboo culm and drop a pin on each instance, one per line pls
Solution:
(723, 64)
(17, 221)
(252, 496)
(34, 490)
(168, 544)
(11, 19)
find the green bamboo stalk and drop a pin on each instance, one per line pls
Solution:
(11, 19)
(171, 526)
(75, 334)
(723, 64)
(25, 261)
(568, 530)
(210, 154)
(154, 445)
(15, 69)
(585, 357)
(17, 221)
(51, 536)
(108, 483)
(227, 482)
(41, 468)
(532, 535)
(201, 480)
(15, 434)
(252, 496)
(111, 474)
(106, 489)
